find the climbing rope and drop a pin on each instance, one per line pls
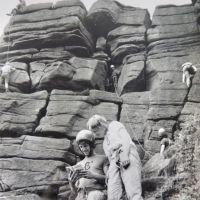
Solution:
(8, 46)
(132, 130)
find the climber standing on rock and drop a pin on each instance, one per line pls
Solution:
(125, 166)
(165, 141)
(87, 177)
(19, 8)
(189, 71)
(6, 71)
(115, 75)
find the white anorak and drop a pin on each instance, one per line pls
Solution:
(119, 147)
(7, 69)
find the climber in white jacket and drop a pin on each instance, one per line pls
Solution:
(6, 70)
(189, 71)
(125, 165)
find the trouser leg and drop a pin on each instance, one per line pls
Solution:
(131, 178)
(96, 195)
(6, 79)
(188, 80)
(115, 188)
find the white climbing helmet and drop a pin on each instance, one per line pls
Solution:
(112, 66)
(161, 132)
(85, 135)
(187, 64)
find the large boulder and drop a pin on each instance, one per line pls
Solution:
(102, 17)
(38, 148)
(76, 74)
(21, 197)
(133, 114)
(106, 15)
(24, 55)
(47, 14)
(18, 173)
(20, 113)
(50, 33)
(173, 21)
(164, 107)
(68, 112)
(132, 78)
(158, 166)
(42, 26)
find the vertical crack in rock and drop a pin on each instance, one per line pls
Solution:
(119, 112)
(42, 113)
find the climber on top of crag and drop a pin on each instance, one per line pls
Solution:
(19, 8)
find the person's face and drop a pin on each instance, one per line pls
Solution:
(85, 148)
(99, 129)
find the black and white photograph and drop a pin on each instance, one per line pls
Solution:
(100, 100)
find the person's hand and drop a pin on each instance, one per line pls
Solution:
(115, 151)
(86, 174)
(125, 164)
(73, 176)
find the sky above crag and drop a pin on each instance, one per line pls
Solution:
(8, 5)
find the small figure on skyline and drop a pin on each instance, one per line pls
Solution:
(19, 8)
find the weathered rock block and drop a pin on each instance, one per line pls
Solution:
(132, 78)
(106, 15)
(133, 114)
(18, 55)
(172, 22)
(38, 148)
(47, 14)
(20, 113)
(57, 76)
(42, 26)
(67, 113)
(92, 73)
(21, 197)
(157, 166)
(129, 16)
(76, 74)
(126, 34)
(52, 54)
(152, 127)
(44, 172)
(102, 17)
(165, 103)
(190, 112)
